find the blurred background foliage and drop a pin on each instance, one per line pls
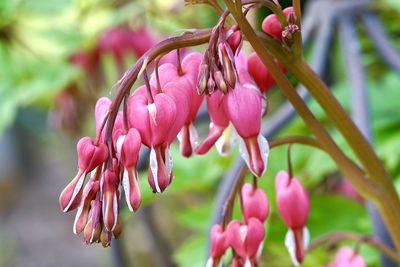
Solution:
(37, 42)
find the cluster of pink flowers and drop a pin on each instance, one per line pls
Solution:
(246, 238)
(154, 115)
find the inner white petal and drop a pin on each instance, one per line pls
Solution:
(154, 168)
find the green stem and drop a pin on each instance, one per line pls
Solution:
(298, 44)
(294, 139)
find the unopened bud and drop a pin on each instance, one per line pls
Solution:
(203, 79)
(91, 234)
(227, 61)
(210, 85)
(118, 228)
(220, 82)
(105, 237)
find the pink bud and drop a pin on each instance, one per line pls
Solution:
(346, 257)
(254, 203)
(292, 200)
(245, 239)
(271, 24)
(110, 200)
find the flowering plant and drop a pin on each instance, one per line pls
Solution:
(233, 86)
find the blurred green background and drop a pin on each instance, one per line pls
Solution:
(46, 103)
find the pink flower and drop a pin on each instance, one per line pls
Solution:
(187, 81)
(128, 147)
(218, 245)
(244, 108)
(110, 199)
(346, 257)
(254, 203)
(293, 205)
(246, 239)
(153, 121)
(90, 156)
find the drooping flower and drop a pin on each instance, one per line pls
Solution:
(186, 81)
(218, 245)
(90, 156)
(246, 239)
(128, 147)
(347, 257)
(153, 121)
(293, 206)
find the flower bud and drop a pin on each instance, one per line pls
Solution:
(227, 61)
(220, 82)
(91, 234)
(105, 237)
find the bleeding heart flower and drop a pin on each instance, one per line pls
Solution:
(254, 203)
(110, 199)
(293, 205)
(218, 245)
(244, 108)
(128, 147)
(90, 156)
(153, 121)
(187, 80)
(347, 257)
(246, 239)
